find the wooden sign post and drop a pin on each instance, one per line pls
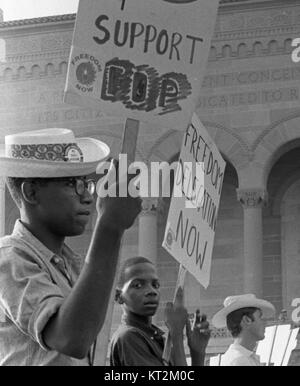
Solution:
(129, 142)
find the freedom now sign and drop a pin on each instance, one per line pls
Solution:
(192, 218)
(141, 59)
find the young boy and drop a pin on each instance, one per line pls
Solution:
(52, 306)
(137, 342)
(244, 317)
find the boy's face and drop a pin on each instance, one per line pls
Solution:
(62, 210)
(257, 327)
(140, 293)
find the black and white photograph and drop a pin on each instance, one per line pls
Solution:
(149, 185)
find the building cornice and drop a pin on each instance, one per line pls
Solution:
(224, 4)
(37, 21)
(238, 34)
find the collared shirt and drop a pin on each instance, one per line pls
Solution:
(136, 344)
(237, 355)
(34, 283)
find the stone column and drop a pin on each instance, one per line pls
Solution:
(2, 207)
(253, 201)
(148, 230)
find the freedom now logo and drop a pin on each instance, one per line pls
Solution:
(179, 1)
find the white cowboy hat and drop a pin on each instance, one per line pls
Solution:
(233, 303)
(50, 153)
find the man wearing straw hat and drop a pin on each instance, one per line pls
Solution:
(53, 304)
(244, 316)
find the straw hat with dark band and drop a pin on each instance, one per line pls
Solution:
(50, 153)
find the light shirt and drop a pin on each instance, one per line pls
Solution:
(237, 355)
(33, 285)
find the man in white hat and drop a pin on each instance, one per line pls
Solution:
(53, 304)
(244, 316)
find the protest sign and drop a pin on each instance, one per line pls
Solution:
(192, 218)
(141, 59)
(276, 348)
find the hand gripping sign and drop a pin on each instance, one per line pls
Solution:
(141, 59)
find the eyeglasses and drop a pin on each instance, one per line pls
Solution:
(81, 185)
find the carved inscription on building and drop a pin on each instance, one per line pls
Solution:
(280, 17)
(45, 42)
(252, 77)
(33, 116)
(26, 98)
(68, 115)
(258, 96)
(249, 98)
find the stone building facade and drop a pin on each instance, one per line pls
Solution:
(250, 105)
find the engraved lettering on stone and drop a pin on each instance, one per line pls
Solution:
(237, 22)
(261, 19)
(16, 45)
(283, 18)
(252, 77)
(249, 98)
(69, 115)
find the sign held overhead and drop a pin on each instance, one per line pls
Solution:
(141, 59)
(192, 218)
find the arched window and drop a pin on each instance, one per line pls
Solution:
(21, 73)
(226, 51)
(36, 71)
(50, 69)
(213, 53)
(242, 50)
(8, 74)
(273, 47)
(257, 48)
(63, 68)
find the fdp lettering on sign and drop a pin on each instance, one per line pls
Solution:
(143, 88)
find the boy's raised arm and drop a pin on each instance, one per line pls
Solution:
(73, 329)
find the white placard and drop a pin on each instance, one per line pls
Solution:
(276, 348)
(141, 59)
(191, 224)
